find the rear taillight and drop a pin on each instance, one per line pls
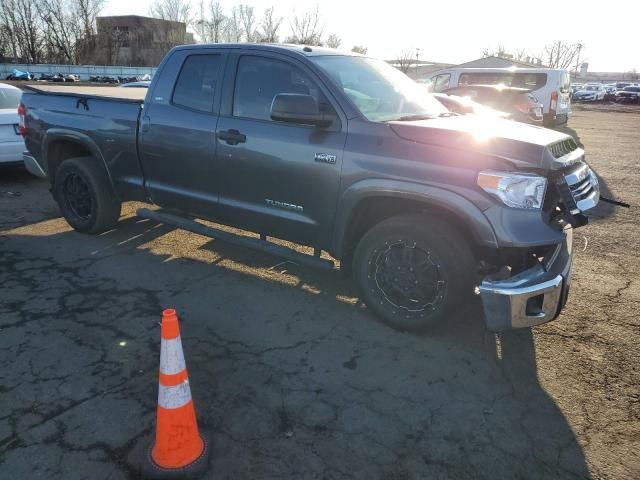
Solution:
(22, 127)
(554, 102)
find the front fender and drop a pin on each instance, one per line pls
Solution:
(455, 203)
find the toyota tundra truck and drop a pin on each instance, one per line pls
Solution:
(338, 152)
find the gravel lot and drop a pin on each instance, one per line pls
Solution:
(291, 375)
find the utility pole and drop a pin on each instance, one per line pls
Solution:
(417, 60)
(578, 57)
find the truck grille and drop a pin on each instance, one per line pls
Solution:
(580, 190)
(563, 147)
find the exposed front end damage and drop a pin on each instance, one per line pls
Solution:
(531, 284)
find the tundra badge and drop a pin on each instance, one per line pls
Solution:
(286, 206)
(326, 158)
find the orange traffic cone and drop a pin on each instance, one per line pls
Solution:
(180, 450)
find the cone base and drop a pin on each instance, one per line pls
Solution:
(151, 470)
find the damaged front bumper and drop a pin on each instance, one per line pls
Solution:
(534, 296)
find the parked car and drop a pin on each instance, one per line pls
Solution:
(574, 87)
(519, 103)
(19, 75)
(621, 85)
(549, 86)
(11, 142)
(141, 84)
(629, 94)
(610, 91)
(339, 152)
(466, 106)
(590, 93)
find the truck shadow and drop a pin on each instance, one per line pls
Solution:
(483, 387)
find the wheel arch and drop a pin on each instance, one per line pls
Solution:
(61, 144)
(371, 201)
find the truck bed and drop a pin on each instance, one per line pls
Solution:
(114, 93)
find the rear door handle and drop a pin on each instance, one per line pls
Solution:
(232, 136)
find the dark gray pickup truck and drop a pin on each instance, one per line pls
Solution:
(339, 152)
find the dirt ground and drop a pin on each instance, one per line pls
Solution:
(292, 377)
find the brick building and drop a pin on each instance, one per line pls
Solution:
(135, 40)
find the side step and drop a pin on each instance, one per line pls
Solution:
(247, 242)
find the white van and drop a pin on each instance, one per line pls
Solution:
(550, 86)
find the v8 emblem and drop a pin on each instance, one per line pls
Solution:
(326, 158)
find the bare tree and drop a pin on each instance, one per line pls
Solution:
(202, 25)
(248, 21)
(562, 54)
(86, 11)
(307, 28)
(361, 49)
(498, 51)
(217, 22)
(233, 32)
(269, 26)
(20, 27)
(62, 31)
(48, 30)
(334, 41)
(404, 60)
(520, 54)
(174, 10)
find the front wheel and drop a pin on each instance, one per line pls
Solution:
(413, 271)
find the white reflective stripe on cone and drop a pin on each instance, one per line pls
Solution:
(174, 397)
(171, 356)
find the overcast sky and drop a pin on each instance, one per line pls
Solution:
(457, 31)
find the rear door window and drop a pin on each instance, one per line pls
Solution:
(196, 84)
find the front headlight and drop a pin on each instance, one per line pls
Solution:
(517, 190)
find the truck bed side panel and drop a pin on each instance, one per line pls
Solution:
(105, 127)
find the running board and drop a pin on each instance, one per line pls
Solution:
(247, 242)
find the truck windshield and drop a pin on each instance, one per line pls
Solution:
(381, 92)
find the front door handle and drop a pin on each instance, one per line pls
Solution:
(232, 136)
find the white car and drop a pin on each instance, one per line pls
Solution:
(590, 93)
(11, 142)
(550, 86)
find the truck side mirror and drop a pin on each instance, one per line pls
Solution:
(298, 108)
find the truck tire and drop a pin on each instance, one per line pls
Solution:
(413, 271)
(84, 194)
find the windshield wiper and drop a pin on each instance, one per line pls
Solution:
(411, 118)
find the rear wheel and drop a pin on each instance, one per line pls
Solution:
(84, 194)
(413, 271)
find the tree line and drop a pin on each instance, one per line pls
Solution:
(243, 23)
(64, 31)
(48, 31)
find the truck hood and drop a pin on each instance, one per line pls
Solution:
(522, 144)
